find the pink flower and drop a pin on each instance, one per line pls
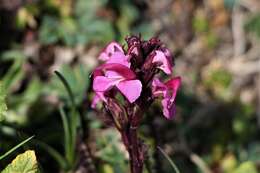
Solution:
(168, 91)
(114, 53)
(116, 75)
(160, 59)
(124, 70)
(163, 59)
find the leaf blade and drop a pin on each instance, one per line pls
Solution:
(23, 163)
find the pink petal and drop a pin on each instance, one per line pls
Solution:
(110, 50)
(99, 96)
(131, 89)
(95, 101)
(102, 83)
(174, 84)
(158, 88)
(169, 109)
(167, 53)
(124, 71)
(113, 75)
(120, 58)
(165, 66)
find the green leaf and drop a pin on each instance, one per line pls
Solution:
(67, 134)
(49, 30)
(78, 80)
(15, 72)
(81, 28)
(23, 163)
(3, 107)
(73, 119)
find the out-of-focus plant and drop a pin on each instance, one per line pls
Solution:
(63, 8)
(110, 151)
(133, 74)
(90, 22)
(70, 85)
(253, 24)
(81, 27)
(3, 107)
(246, 167)
(128, 14)
(230, 165)
(230, 3)
(15, 73)
(26, 102)
(200, 22)
(218, 80)
(76, 78)
(26, 16)
(201, 26)
(70, 124)
(12, 77)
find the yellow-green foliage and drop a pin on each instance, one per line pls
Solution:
(23, 163)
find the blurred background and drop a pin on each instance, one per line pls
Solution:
(216, 46)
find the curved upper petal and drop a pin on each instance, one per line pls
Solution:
(173, 85)
(131, 89)
(163, 60)
(120, 58)
(110, 49)
(124, 71)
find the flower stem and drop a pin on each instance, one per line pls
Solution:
(134, 148)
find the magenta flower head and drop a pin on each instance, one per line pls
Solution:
(133, 74)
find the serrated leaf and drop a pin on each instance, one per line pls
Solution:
(23, 163)
(3, 107)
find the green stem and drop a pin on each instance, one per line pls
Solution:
(16, 147)
(169, 159)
